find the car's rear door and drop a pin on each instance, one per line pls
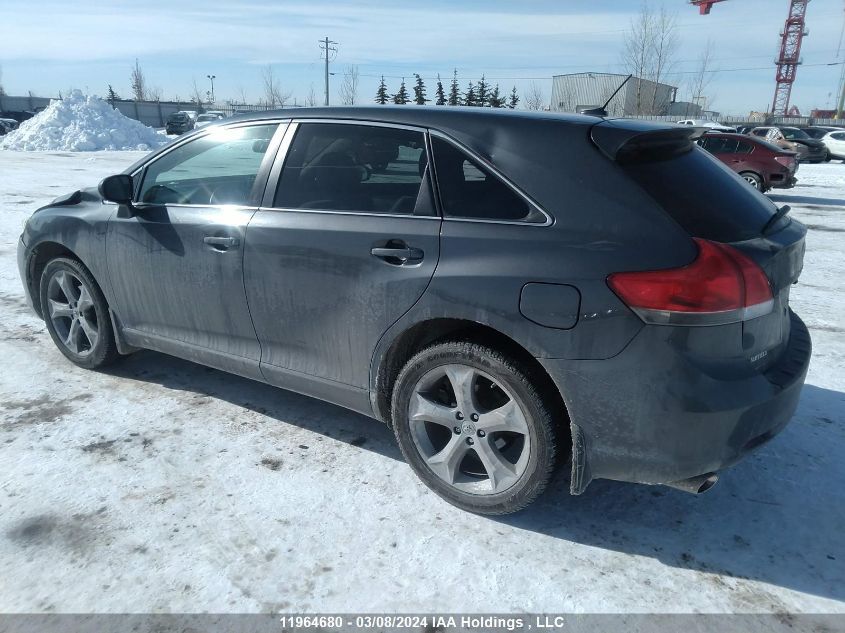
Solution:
(346, 242)
(176, 263)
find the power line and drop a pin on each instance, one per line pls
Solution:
(592, 69)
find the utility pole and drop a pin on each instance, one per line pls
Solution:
(327, 49)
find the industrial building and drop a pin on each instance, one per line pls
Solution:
(576, 91)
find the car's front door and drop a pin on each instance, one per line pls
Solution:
(176, 262)
(345, 244)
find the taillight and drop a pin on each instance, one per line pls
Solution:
(722, 285)
(786, 161)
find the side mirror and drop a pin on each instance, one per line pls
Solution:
(117, 189)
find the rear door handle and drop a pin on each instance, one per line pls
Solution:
(221, 242)
(405, 254)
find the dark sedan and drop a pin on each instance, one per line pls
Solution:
(760, 163)
(511, 292)
(809, 149)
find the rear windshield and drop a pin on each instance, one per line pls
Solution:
(704, 196)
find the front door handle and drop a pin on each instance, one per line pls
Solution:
(404, 254)
(220, 242)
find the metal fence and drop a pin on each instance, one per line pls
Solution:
(152, 113)
(751, 120)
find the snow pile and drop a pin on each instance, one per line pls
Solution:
(81, 124)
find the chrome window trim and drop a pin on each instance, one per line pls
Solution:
(549, 219)
(364, 122)
(373, 214)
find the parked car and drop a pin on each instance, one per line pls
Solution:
(7, 125)
(179, 123)
(791, 138)
(834, 141)
(206, 118)
(708, 123)
(513, 293)
(818, 131)
(760, 163)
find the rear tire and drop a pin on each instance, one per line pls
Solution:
(474, 428)
(752, 179)
(76, 314)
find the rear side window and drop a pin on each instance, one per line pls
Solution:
(704, 196)
(357, 168)
(470, 190)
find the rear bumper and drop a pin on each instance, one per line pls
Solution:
(655, 415)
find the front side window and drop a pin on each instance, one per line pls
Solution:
(357, 168)
(469, 190)
(216, 169)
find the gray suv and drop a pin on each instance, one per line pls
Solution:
(510, 292)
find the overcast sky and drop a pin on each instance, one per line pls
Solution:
(50, 46)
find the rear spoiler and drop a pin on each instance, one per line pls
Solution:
(630, 141)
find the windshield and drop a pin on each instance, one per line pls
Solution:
(792, 133)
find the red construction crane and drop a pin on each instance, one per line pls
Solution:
(790, 55)
(790, 50)
(704, 6)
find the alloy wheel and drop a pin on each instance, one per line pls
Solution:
(71, 311)
(469, 429)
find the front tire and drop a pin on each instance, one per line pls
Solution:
(76, 314)
(473, 426)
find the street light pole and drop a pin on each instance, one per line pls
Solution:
(212, 78)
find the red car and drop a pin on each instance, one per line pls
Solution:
(762, 164)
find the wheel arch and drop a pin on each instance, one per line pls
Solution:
(41, 255)
(431, 331)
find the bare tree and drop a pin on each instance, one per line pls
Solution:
(311, 99)
(273, 93)
(648, 53)
(700, 80)
(138, 82)
(242, 94)
(196, 94)
(154, 93)
(663, 55)
(349, 86)
(637, 49)
(2, 90)
(535, 99)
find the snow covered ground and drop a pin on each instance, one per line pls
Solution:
(164, 486)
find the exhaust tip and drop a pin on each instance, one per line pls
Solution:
(696, 485)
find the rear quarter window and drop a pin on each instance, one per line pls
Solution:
(702, 195)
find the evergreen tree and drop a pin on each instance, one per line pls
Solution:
(441, 96)
(514, 100)
(454, 91)
(401, 97)
(111, 97)
(381, 94)
(469, 96)
(482, 93)
(496, 100)
(419, 91)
